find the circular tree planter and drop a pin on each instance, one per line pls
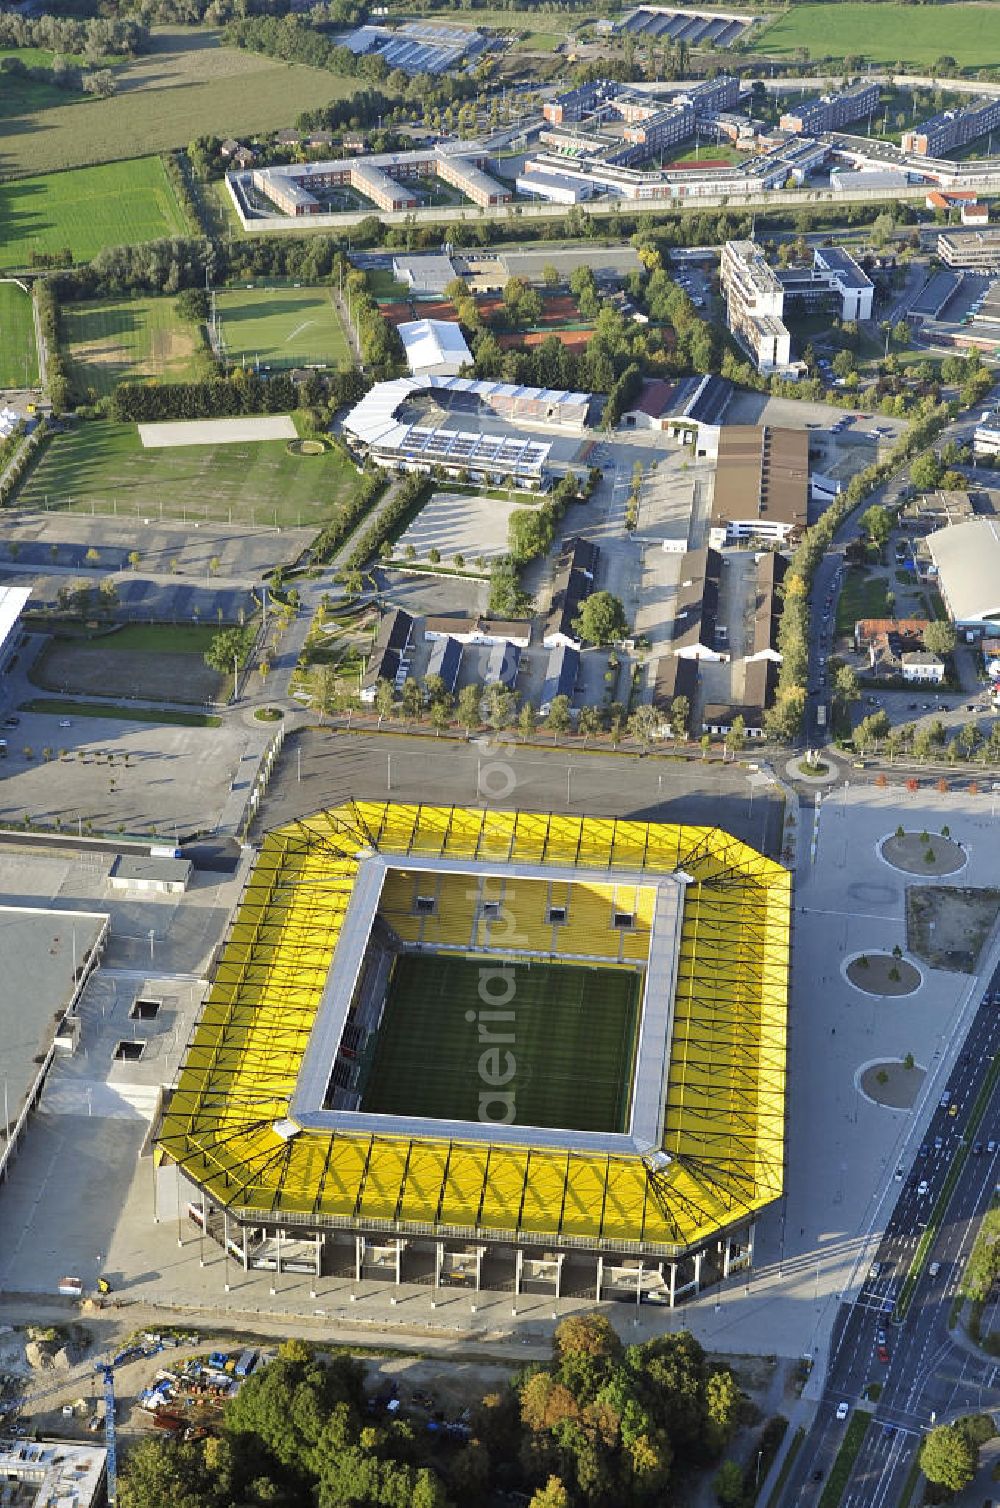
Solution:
(305, 447)
(269, 714)
(883, 974)
(890, 1084)
(913, 854)
(818, 771)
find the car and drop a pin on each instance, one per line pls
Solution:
(978, 1148)
(934, 1269)
(880, 1338)
(911, 706)
(842, 1412)
(924, 1150)
(923, 1187)
(945, 1099)
(952, 1111)
(899, 1171)
(883, 1353)
(817, 1476)
(970, 706)
(874, 1271)
(991, 1147)
(64, 722)
(12, 721)
(938, 1143)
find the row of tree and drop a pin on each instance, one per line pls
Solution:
(604, 1424)
(93, 39)
(244, 392)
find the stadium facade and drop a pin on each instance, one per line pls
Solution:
(331, 1117)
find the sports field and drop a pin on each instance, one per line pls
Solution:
(188, 84)
(913, 35)
(108, 341)
(116, 204)
(18, 355)
(573, 1031)
(282, 327)
(103, 468)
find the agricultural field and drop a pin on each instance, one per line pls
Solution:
(108, 341)
(103, 468)
(18, 354)
(282, 327)
(113, 205)
(187, 85)
(915, 35)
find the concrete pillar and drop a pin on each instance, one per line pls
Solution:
(518, 1270)
(727, 1247)
(673, 1284)
(600, 1279)
(246, 1253)
(638, 1286)
(699, 1257)
(480, 1253)
(438, 1259)
(751, 1235)
(399, 1260)
(277, 1253)
(560, 1259)
(359, 1257)
(319, 1255)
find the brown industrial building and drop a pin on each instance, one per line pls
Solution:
(761, 485)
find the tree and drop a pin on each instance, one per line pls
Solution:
(412, 698)
(940, 638)
(680, 717)
(737, 735)
(589, 722)
(231, 646)
(644, 724)
(550, 275)
(552, 1495)
(728, 1485)
(926, 471)
(558, 719)
(526, 721)
(876, 521)
(948, 1458)
(846, 686)
(602, 619)
(468, 707)
(385, 699)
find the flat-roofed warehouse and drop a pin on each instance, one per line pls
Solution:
(46, 958)
(761, 484)
(967, 558)
(275, 1147)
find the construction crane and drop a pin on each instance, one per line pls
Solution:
(109, 1433)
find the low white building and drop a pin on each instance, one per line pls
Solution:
(986, 436)
(40, 1473)
(967, 559)
(141, 873)
(13, 600)
(920, 666)
(434, 347)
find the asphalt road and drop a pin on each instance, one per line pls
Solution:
(926, 1372)
(319, 769)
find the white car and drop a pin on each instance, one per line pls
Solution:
(842, 1412)
(922, 1188)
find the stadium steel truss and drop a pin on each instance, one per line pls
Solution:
(228, 1126)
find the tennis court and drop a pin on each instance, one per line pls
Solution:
(571, 1034)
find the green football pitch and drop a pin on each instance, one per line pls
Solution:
(571, 1036)
(18, 356)
(282, 327)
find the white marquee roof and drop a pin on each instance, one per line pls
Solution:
(968, 560)
(432, 343)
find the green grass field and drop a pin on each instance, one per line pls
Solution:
(861, 597)
(915, 35)
(186, 85)
(283, 327)
(574, 1032)
(103, 467)
(107, 341)
(18, 354)
(117, 204)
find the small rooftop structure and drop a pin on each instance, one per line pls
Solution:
(139, 872)
(434, 347)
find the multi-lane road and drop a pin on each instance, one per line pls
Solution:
(925, 1370)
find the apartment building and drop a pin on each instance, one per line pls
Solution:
(755, 302)
(951, 129)
(831, 112)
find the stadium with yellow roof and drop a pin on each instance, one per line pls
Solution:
(491, 1049)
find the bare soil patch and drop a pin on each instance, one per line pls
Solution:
(882, 974)
(90, 669)
(947, 925)
(919, 853)
(899, 1087)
